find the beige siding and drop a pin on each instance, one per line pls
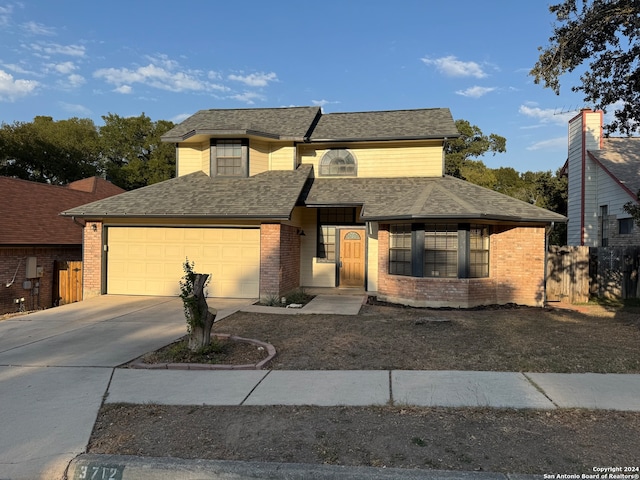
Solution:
(393, 159)
(193, 158)
(258, 157)
(282, 157)
(148, 260)
(312, 272)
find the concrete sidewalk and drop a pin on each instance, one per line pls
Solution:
(377, 387)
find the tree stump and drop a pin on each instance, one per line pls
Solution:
(201, 317)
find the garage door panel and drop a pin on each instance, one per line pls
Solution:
(149, 260)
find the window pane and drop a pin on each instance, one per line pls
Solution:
(229, 158)
(400, 249)
(441, 250)
(479, 251)
(328, 220)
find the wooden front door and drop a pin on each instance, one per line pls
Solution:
(352, 257)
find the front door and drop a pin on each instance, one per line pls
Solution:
(352, 257)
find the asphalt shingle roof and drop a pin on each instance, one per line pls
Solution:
(424, 198)
(621, 157)
(30, 212)
(279, 123)
(268, 195)
(386, 125)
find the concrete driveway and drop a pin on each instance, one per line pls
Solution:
(55, 367)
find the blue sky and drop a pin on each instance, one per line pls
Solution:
(170, 59)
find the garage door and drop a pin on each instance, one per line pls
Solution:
(148, 260)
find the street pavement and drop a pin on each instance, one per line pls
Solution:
(58, 366)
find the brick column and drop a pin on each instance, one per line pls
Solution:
(279, 259)
(92, 260)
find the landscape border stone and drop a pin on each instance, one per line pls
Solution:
(271, 353)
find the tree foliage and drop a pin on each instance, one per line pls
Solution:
(56, 152)
(604, 34)
(633, 209)
(471, 143)
(132, 154)
(542, 189)
(127, 151)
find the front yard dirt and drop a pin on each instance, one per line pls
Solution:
(389, 337)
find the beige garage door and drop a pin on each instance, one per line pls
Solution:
(148, 260)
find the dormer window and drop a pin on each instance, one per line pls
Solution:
(338, 163)
(229, 158)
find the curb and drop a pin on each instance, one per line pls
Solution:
(124, 467)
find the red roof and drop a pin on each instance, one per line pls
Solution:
(29, 211)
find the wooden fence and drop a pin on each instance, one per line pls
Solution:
(68, 282)
(614, 272)
(567, 274)
(576, 273)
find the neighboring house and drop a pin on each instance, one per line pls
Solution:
(34, 235)
(270, 200)
(603, 174)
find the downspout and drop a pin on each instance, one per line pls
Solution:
(78, 223)
(583, 160)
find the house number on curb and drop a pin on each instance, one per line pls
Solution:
(99, 472)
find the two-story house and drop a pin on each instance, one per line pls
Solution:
(604, 175)
(269, 200)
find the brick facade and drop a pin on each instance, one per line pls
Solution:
(92, 258)
(279, 259)
(517, 256)
(41, 294)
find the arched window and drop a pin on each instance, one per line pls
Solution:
(338, 162)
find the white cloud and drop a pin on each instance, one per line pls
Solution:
(181, 117)
(76, 80)
(63, 68)
(475, 92)
(163, 77)
(17, 69)
(247, 97)
(322, 103)
(35, 28)
(557, 143)
(124, 89)
(255, 79)
(5, 15)
(452, 67)
(11, 89)
(75, 109)
(546, 115)
(47, 49)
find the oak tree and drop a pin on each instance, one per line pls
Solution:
(599, 38)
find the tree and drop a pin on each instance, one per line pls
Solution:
(48, 151)
(132, 154)
(199, 316)
(471, 143)
(605, 34)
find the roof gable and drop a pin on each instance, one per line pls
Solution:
(309, 124)
(268, 195)
(435, 198)
(436, 123)
(621, 159)
(32, 213)
(277, 123)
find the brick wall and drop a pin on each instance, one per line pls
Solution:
(279, 259)
(40, 295)
(516, 275)
(517, 264)
(92, 266)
